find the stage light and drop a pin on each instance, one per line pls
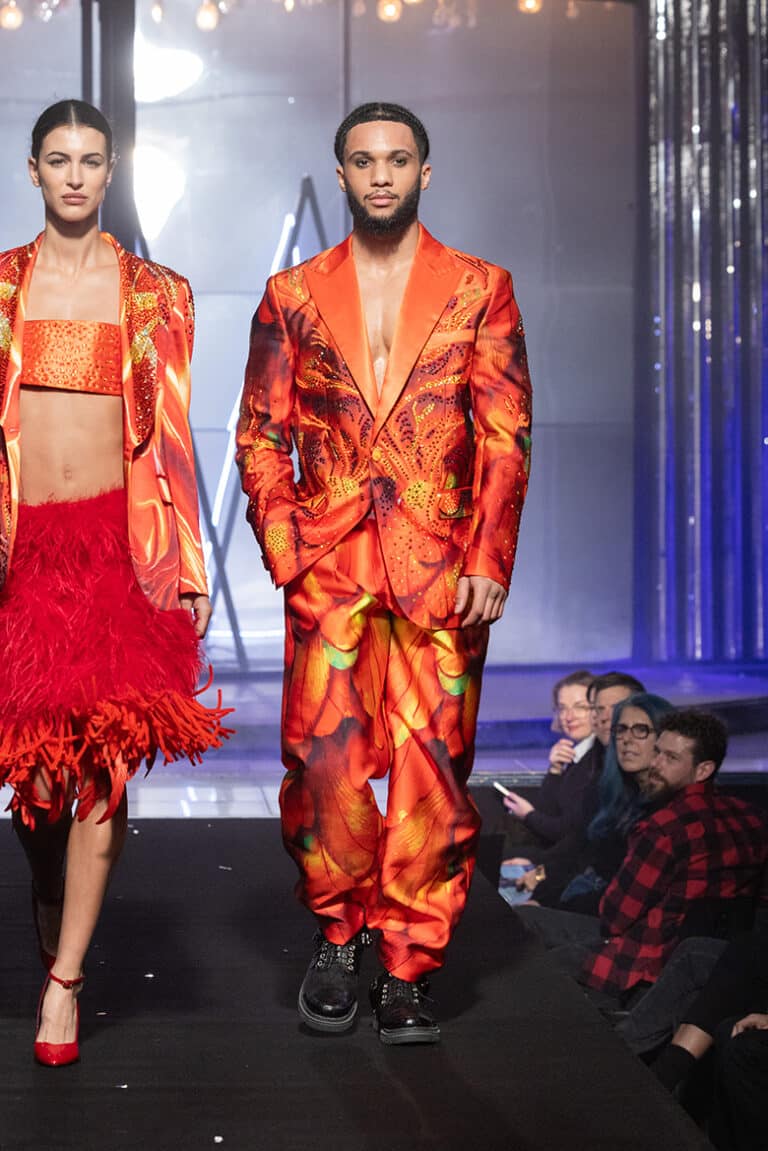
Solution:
(11, 16)
(157, 12)
(530, 7)
(207, 17)
(159, 182)
(289, 5)
(389, 10)
(162, 73)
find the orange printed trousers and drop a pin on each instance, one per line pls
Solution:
(367, 693)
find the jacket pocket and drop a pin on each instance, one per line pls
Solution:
(454, 503)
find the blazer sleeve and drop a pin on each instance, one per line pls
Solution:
(178, 452)
(501, 409)
(265, 438)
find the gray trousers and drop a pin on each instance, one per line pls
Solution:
(570, 938)
(656, 1017)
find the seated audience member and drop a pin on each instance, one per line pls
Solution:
(729, 1012)
(571, 763)
(610, 805)
(692, 865)
(728, 983)
(739, 1120)
(574, 766)
(621, 800)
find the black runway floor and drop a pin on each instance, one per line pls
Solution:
(190, 1038)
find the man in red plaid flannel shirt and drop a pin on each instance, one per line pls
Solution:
(697, 845)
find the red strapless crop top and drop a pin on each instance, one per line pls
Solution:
(73, 355)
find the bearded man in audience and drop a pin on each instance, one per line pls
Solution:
(693, 867)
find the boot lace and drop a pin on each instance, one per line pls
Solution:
(394, 988)
(346, 955)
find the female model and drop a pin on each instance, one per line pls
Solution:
(103, 592)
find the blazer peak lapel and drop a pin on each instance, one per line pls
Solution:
(336, 293)
(13, 302)
(431, 283)
(128, 265)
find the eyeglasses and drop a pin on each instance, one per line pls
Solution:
(636, 730)
(577, 708)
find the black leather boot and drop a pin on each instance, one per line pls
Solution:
(328, 995)
(400, 1014)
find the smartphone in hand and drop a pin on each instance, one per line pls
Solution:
(508, 889)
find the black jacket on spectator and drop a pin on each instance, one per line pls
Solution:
(560, 803)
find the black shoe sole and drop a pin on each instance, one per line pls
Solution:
(323, 1022)
(400, 1036)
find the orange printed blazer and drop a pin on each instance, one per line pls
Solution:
(157, 326)
(441, 456)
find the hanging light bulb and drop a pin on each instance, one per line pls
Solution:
(530, 7)
(157, 11)
(289, 5)
(572, 10)
(389, 10)
(358, 8)
(412, 1)
(11, 16)
(207, 17)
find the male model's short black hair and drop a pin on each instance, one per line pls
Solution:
(708, 733)
(380, 110)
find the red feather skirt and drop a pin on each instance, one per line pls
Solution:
(95, 679)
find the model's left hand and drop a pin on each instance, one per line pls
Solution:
(200, 606)
(481, 598)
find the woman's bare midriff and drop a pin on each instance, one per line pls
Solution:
(72, 444)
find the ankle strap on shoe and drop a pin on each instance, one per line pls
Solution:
(67, 984)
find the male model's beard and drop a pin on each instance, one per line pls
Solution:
(404, 214)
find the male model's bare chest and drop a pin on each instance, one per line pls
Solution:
(382, 299)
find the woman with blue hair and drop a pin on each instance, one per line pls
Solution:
(576, 874)
(620, 797)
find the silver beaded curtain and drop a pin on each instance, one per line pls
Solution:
(702, 407)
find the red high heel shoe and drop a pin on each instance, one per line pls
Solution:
(58, 1054)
